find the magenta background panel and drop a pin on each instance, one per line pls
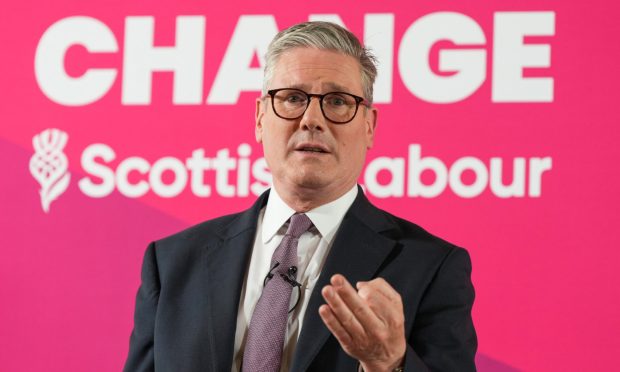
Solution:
(545, 259)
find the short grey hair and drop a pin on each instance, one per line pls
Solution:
(324, 36)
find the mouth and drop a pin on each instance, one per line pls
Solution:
(311, 148)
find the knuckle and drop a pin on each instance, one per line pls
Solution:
(364, 293)
(349, 349)
(381, 281)
(397, 323)
(398, 298)
(359, 311)
(380, 334)
(347, 322)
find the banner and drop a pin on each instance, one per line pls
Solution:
(122, 122)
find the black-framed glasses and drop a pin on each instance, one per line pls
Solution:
(337, 107)
(290, 277)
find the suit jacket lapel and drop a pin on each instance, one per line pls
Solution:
(357, 253)
(225, 266)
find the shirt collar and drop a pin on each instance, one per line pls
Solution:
(326, 218)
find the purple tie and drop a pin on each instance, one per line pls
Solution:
(263, 348)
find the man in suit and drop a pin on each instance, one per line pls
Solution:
(365, 290)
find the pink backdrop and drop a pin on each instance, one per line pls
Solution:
(544, 257)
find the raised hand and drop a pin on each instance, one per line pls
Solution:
(368, 323)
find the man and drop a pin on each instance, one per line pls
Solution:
(312, 277)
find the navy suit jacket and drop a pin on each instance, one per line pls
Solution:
(186, 306)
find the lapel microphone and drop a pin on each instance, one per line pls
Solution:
(290, 277)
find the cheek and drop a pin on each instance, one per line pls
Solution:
(352, 145)
(275, 142)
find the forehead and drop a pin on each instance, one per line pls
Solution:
(317, 71)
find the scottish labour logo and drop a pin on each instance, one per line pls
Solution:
(49, 165)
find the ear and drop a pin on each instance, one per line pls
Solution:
(370, 120)
(260, 112)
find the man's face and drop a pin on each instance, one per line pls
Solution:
(329, 173)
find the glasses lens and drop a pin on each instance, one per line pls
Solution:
(339, 107)
(290, 103)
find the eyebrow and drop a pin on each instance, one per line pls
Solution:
(333, 87)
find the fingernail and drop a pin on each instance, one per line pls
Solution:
(328, 292)
(337, 281)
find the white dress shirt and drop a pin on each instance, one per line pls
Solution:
(312, 250)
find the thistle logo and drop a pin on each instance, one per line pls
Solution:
(49, 165)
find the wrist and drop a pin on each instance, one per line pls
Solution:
(397, 366)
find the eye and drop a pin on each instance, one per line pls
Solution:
(294, 97)
(336, 100)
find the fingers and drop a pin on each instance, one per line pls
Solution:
(367, 311)
(349, 308)
(381, 298)
(334, 326)
(381, 286)
(376, 301)
(339, 318)
(340, 310)
(368, 323)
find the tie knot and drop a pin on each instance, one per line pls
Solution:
(300, 223)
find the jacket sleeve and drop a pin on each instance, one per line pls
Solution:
(443, 337)
(141, 342)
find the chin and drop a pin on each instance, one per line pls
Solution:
(310, 180)
(312, 183)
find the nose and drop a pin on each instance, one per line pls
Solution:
(313, 118)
